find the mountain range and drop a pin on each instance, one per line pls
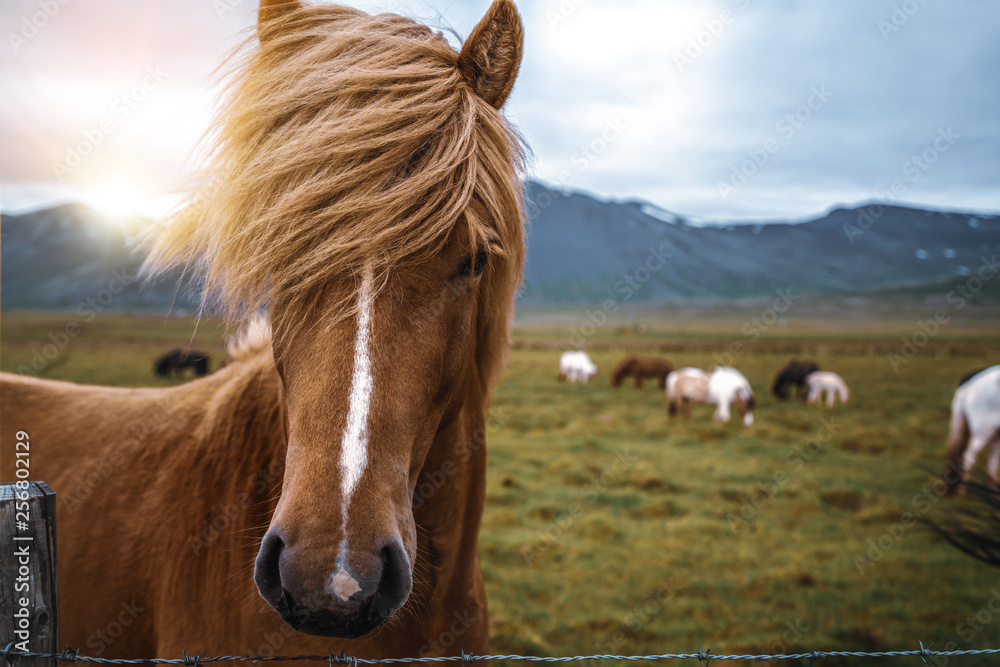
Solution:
(581, 250)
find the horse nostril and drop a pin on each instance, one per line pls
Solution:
(366, 590)
(394, 584)
(266, 572)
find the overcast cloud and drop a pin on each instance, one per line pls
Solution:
(735, 109)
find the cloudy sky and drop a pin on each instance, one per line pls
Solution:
(728, 109)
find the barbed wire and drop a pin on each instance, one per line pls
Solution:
(704, 657)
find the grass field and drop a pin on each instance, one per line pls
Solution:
(609, 528)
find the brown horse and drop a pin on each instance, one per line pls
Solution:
(641, 368)
(367, 190)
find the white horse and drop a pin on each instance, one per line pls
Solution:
(975, 427)
(721, 387)
(820, 382)
(576, 366)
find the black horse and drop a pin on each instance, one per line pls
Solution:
(176, 360)
(793, 375)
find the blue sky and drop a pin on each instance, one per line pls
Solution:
(728, 109)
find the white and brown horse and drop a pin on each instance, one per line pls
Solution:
(975, 428)
(366, 189)
(721, 388)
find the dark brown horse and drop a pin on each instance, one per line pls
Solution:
(641, 368)
(366, 188)
(793, 375)
(176, 360)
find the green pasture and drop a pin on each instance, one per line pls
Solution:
(610, 528)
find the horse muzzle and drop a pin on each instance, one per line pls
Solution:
(360, 592)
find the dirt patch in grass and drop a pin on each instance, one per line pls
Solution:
(846, 500)
(861, 447)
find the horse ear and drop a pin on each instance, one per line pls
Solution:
(273, 10)
(491, 55)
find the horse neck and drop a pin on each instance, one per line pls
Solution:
(239, 448)
(244, 416)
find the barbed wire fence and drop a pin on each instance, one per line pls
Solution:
(40, 532)
(704, 657)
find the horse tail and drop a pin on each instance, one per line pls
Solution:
(958, 442)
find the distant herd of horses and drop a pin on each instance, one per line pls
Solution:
(364, 188)
(722, 386)
(975, 411)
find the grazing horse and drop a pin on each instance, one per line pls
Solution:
(792, 375)
(366, 190)
(721, 387)
(176, 360)
(576, 366)
(975, 428)
(826, 382)
(641, 368)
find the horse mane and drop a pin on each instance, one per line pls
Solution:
(974, 527)
(348, 142)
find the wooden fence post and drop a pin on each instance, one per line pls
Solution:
(29, 597)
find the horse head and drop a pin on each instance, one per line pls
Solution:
(369, 197)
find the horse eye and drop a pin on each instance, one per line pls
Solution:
(474, 265)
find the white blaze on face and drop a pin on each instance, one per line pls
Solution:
(354, 446)
(343, 585)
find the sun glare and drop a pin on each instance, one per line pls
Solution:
(118, 200)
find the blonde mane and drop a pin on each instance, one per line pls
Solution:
(252, 340)
(347, 141)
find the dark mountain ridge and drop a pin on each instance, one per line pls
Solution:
(581, 250)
